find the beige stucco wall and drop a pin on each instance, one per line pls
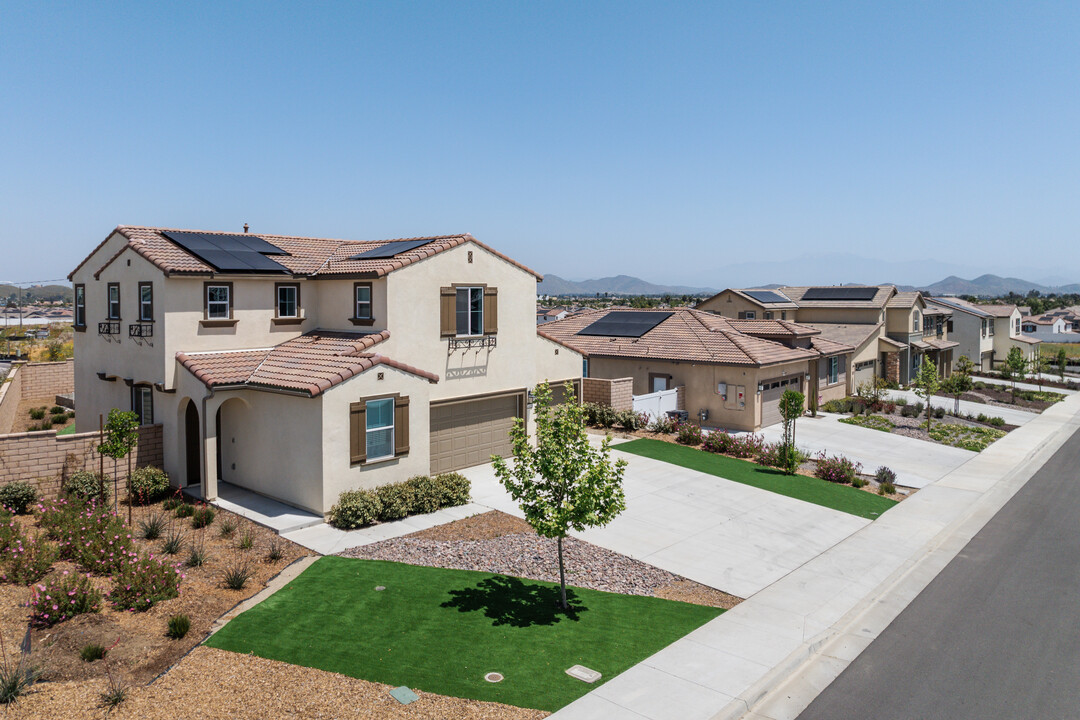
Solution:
(556, 362)
(840, 315)
(335, 304)
(903, 320)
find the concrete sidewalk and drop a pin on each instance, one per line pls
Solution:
(1012, 416)
(917, 463)
(1031, 384)
(768, 657)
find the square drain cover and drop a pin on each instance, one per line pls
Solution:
(404, 695)
(584, 674)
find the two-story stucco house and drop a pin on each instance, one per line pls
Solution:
(1056, 326)
(986, 333)
(302, 367)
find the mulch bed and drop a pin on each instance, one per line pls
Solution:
(22, 421)
(499, 543)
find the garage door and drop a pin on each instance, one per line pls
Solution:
(771, 390)
(468, 433)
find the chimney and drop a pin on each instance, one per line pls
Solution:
(245, 228)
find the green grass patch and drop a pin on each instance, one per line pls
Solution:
(963, 436)
(874, 422)
(69, 430)
(443, 630)
(810, 489)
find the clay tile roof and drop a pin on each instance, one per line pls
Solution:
(307, 256)
(904, 299)
(772, 328)
(853, 334)
(311, 363)
(881, 297)
(689, 335)
(998, 310)
(830, 347)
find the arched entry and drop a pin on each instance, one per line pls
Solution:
(193, 457)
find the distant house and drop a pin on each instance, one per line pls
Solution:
(1056, 326)
(546, 315)
(986, 333)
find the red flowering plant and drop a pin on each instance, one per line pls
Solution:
(143, 581)
(62, 598)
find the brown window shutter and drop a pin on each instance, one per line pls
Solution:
(448, 323)
(358, 432)
(401, 426)
(491, 310)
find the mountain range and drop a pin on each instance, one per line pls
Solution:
(620, 285)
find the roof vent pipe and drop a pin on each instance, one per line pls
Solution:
(245, 228)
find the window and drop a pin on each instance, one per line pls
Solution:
(584, 367)
(380, 429)
(915, 321)
(768, 315)
(1016, 331)
(927, 323)
(80, 307)
(983, 327)
(991, 323)
(288, 301)
(142, 403)
(834, 369)
(469, 311)
(218, 302)
(114, 301)
(362, 307)
(146, 302)
(783, 314)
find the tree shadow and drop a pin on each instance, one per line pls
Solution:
(512, 601)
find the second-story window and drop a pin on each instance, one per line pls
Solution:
(362, 309)
(991, 324)
(470, 311)
(1016, 331)
(288, 301)
(114, 301)
(80, 307)
(146, 302)
(218, 302)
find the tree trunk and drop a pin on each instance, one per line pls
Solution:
(562, 576)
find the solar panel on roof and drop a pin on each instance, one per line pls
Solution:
(230, 253)
(840, 293)
(390, 249)
(625, 323)
(766, 296)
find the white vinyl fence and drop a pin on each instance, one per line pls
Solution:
(657, 403)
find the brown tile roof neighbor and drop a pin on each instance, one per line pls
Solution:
(880, 298)
(689, 335)
(311, 257)
(998, 310)
(311, 363)
(853, 334)
(904, 299)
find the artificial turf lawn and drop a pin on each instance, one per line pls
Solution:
(811, 489)
(443, 630)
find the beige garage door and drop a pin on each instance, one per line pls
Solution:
(468, 433)
(771, 390)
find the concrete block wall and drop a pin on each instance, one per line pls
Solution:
(48, 378)
(10, 397)
(619, 394)
(42, 458)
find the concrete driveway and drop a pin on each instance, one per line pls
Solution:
(1010, 415)
(917, 463)
(729, 536)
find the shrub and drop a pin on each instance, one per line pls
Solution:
(70, 415)
(148, 484)
(859, 481)
(46, 424)
(202, 516)
(9, 530)
(886, 488)
(236, 575)
(981, 417)
(996, 421)
(663, 425)
(631, 420)
(89, 535)
(716, 442)
(85, 485)
(178, 626)
(939, 412)
(454, 489)
(144, 581)
(777, 455)
(425, 494)
(92, 652)
(173, 542)
(354, 509)
(688, 434)
(747, 445)
(836, 406)
(18, 496)
(184, 510)
(886, 480)
(57, 410)
(197, 556)
(28, 559)
(247, 539)
(605, 416)
(589, 410)
(837, 469)
(16, 678)
(63, 598)
(395, 500)
(276, 550)
(227, 527)
(171, 503)
(152, 527)
(888, 408)
(37, 413)
(901, 401)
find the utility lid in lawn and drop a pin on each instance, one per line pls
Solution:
(584, 674)
(404, 695)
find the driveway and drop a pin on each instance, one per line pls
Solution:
(729, 536)
(1010, 415)
(917, 463)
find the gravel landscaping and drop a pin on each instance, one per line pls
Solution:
(500, 543)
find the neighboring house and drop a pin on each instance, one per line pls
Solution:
(1059, 326)
(885, 326)
(986, 333)
(302, 367)
(546, 315)
(733, 370)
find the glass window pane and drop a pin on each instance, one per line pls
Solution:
(476, 311)
(380, 443)
(380, 413)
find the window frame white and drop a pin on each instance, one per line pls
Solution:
(369, 430)
(142, 398)
(470, 313)
(295, 301)
(227, 302)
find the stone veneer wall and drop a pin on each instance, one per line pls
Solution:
(892, 367)
(619, 394)
(42, 459)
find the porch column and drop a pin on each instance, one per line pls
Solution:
(209, 446)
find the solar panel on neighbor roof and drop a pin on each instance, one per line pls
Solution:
(766, 296)
(230, 253)
(840, 293)
(390, 249)
(625, 323)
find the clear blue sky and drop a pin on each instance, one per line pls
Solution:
(664, 140)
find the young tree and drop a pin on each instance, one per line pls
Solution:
(1040, 365)
(1062, 361)
(956, 385)
(121, 437)
(964, 365)
(1016, 365)
(563, 483)
(791, 409)
(926, 385)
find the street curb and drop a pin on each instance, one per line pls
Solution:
(789, 687)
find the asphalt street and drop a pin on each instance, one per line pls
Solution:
(997, 633)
